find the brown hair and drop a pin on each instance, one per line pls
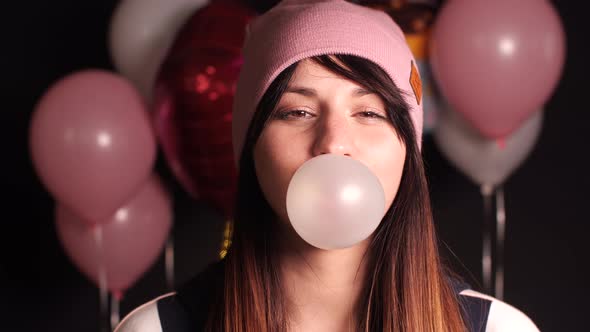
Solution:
(407, 288)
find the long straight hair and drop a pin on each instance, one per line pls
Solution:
(406, 288)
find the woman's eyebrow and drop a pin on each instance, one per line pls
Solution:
(359, 92)
(309, 92)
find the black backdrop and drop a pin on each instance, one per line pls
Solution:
(546, 198)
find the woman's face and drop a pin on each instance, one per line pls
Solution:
(319, 113)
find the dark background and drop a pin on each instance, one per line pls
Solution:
(546, 198)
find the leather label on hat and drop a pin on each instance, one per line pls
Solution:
(416, 83)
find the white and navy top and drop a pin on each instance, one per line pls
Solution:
(185, 310)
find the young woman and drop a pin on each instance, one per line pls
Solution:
(327, 77)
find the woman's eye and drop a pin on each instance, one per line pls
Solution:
(371, 115)
(293, 114)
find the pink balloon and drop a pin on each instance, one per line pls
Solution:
(497, 62)
(92, 143)
(120, 249)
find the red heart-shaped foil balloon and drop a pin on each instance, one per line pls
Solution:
(193, 102)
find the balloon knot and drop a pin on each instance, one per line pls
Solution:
(118, 295)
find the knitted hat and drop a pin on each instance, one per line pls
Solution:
(297, 29)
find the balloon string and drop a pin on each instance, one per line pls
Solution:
(486, 259)
(102, 279)
(500, 235)
(115, 310)
(169, 261)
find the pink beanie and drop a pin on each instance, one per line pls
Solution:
(297, 29)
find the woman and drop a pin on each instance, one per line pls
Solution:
(327, 77)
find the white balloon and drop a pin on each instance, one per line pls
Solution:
(141, 33)
(430, 96)
(483, 160)
(334, 201)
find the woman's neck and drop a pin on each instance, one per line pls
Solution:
(321, 286)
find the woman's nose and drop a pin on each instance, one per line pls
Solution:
(333, 135)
